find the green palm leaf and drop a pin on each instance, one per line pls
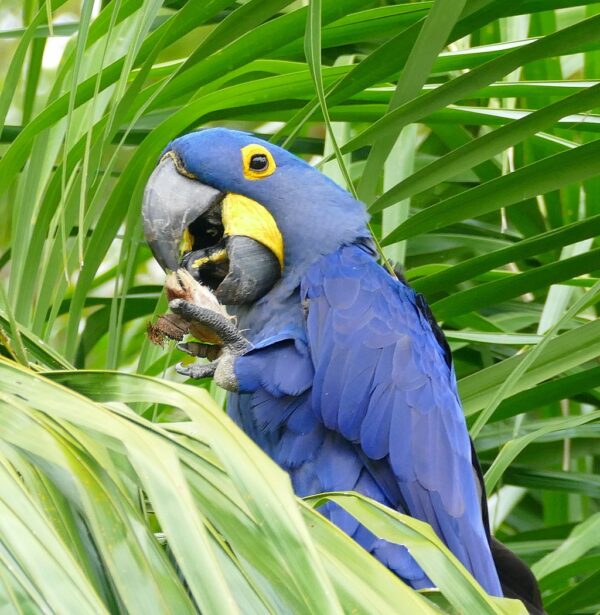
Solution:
(469, 128)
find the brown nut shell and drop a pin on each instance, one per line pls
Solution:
(169, 326)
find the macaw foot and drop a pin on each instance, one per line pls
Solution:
(225, 330)
(233, 344)
(197, 371)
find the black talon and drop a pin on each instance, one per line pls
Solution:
(198, 349)
(194, 349)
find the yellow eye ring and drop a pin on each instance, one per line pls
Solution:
(258, 162)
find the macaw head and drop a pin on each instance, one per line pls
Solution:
(240, 213)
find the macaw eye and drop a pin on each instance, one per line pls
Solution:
(259, 162)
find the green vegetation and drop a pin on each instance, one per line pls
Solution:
(467, 126)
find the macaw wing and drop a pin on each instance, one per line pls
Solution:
(382, 381)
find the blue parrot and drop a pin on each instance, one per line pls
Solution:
(336, 368)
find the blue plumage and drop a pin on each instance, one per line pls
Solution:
(380, 414)
(346, 385)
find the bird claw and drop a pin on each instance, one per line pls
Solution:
(227, 332)
(197, 371)
(233, 344)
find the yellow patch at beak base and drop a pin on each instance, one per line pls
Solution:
(186, 244)
(243, 216)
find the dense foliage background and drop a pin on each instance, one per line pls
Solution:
(467, 126)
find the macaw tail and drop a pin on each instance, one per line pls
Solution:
(516, 578)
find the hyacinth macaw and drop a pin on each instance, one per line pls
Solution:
(336, 368)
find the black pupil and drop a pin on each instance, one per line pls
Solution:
(259, 162)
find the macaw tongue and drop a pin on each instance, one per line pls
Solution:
(208, 265)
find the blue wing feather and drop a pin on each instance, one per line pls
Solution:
(365, 399)
(378, 365)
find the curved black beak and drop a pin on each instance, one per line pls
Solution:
(171, 203)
